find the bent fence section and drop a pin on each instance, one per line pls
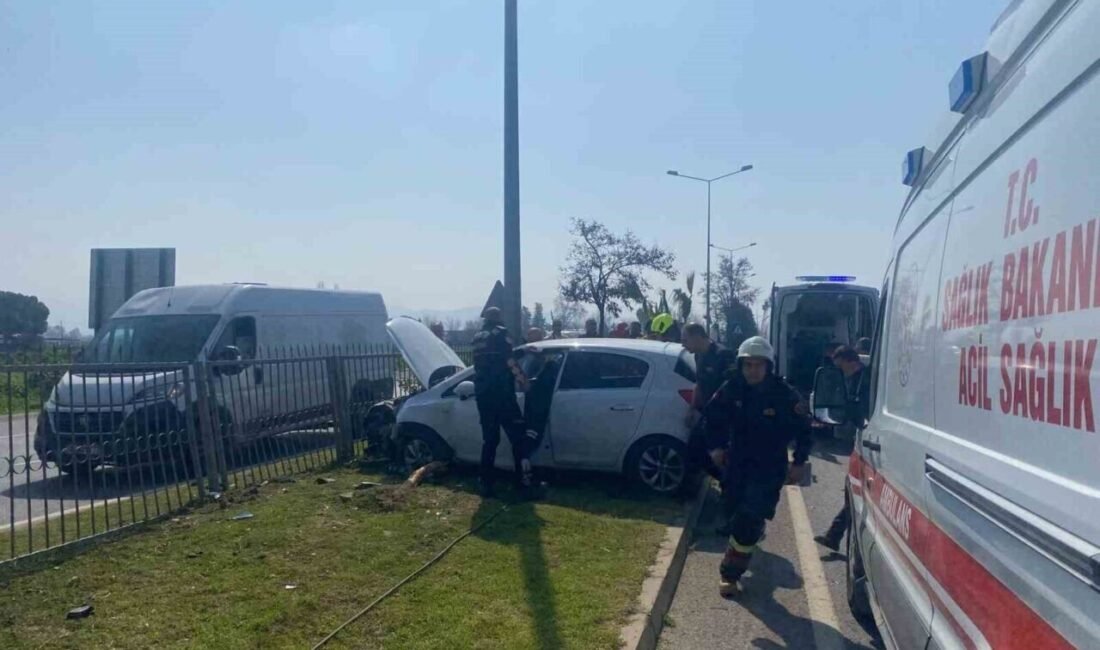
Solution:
(89, 449)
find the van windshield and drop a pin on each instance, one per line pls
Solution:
(151, 339)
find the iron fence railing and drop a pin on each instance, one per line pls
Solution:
(87, 449)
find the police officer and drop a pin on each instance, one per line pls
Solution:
(765, 416)
(713, 366)
(495, 376)
(857, 385)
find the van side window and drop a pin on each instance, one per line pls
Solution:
(876, 347)
(241, 333)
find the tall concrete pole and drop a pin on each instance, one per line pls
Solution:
(514, 301)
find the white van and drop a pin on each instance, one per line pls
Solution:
(178, 325)
(807, 317)
(975, 492)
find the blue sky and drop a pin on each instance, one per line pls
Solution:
(359, 143)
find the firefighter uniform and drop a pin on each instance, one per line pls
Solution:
(497, 408)
(763, 421)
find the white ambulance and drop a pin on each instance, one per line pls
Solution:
(975, 489)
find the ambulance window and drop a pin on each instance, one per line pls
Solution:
(876, 348)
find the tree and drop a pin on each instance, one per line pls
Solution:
(22, 316)
(539, 319)
(607, 270)
(734, 297)
(682, 299)
(525, 322)
(568, 312)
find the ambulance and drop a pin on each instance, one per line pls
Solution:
(975, 488)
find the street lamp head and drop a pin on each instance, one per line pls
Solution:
(751, 245)
(672, 172)
(746, 168)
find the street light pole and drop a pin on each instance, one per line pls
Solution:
(708, 181)
(513, 303)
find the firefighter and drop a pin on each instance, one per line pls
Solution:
(660, 326)
(495, 377)
(765, 415)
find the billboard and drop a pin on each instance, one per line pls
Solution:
(119, 273)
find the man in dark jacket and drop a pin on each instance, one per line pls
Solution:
(857, 384)
(495, 377)
(765, 415)
(713, 365)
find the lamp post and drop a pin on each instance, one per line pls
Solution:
(733, 250)
(708, 181)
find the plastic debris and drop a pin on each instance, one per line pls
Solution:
(242, 516)
(84, 611)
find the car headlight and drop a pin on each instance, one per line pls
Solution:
(170, 392)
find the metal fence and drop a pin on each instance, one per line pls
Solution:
(88, 449)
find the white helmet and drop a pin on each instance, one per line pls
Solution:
(756, 346)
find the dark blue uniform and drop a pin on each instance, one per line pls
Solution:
(497, 407)
(764, 420)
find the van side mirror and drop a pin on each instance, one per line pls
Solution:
(229, 353)
(465, 390)
(829, 400)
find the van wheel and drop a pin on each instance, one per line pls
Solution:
(658, 463)
(859, 601)
(420, 446)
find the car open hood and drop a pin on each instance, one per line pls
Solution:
(431, 359)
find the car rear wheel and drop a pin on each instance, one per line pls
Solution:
(659, 463)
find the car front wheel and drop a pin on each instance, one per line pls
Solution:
(659, 463)
(422, 446)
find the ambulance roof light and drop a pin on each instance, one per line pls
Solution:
(968, 82)
(826, 278)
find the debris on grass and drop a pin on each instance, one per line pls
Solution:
(366, 485)
(322, 480)
(84, 611)
(242, 516)
(346, 497)
(434, 468)
(284, 479)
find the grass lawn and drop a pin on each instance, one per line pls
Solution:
(564, 572)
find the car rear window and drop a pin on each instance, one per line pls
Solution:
(685, 366)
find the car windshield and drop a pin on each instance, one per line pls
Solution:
(151, 339)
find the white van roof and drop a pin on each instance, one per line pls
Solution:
(246, 298)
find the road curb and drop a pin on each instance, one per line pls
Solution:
(643, 628)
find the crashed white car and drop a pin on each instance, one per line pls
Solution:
(608, 405)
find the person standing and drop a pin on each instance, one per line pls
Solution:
(713, 366)
(659, 326)
(591, 329)
(495, 376)
(857, 387)
(765, 415)
(635, 330)
(555, 331)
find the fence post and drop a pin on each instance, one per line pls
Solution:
(192, 434)
(338, 393)
(206, 423)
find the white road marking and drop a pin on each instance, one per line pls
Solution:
(826, 627)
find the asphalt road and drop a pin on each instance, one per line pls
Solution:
(794, 591)
(27, 489)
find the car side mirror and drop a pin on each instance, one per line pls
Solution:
(229, 353)
(465, 390)
(829, 400)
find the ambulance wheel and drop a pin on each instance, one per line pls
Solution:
(859, 601)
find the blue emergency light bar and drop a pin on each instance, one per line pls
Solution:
(826, 278)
